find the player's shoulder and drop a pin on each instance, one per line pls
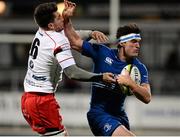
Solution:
(100, 46)
(59, 38)
(139, 63)
(58, 35)
(51, 35)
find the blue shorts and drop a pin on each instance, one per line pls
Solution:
(104, 124)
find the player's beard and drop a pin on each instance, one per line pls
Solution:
(59, 29)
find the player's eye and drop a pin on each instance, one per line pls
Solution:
(135, 41)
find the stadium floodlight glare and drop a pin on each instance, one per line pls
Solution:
(60, 7)
(2, 7)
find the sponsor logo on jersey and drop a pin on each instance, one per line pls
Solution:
(108, 60)
(39, 78)
(40, 34)
(31, 64)
(107, 127)
(32, 83)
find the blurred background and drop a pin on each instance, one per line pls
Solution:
(160, 25)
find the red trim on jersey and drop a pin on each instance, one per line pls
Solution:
(57, 50)
(63, 44)
(65, 59)
(51, 39)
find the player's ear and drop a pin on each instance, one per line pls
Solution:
(51, 26)
(121, 44)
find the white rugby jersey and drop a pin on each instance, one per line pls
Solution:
(48, 50)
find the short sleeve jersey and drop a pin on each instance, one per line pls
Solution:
(50, 53)
(107, 97)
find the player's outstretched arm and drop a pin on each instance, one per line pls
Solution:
(96, 36)
(76, 73)
(74, 39)
(99, 37)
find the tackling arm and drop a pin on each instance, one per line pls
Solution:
(85, 34)
(76, 73)
(74, 39)
(73, 72)
(93, 36)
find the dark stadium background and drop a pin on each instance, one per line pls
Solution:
(160, 24)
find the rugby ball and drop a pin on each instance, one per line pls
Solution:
(135, 76)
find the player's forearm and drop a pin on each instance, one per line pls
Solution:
(143, 93)
(76, 73)
(84, 34)
(75, 40)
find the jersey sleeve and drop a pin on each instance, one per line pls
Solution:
(63, 54)
(144, 74)
(84, 34)
(90, 49)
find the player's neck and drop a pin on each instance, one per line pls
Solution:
(123, 57)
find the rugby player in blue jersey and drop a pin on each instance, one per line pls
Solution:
(106, 115)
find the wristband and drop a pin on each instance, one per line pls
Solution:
(96, 78)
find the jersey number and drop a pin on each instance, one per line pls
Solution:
(34, 48)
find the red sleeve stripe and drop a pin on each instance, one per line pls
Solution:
(65, 59)
(57, 50)
(61, 45)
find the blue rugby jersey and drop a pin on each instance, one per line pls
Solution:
(106, 60)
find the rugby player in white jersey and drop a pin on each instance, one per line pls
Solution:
(50, 56)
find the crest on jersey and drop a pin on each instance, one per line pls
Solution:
(31, 64)
(107, 127)
(108, 60)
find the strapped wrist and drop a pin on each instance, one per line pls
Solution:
(98, 77)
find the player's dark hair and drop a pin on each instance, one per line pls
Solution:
(43, 14)
(127, 29)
